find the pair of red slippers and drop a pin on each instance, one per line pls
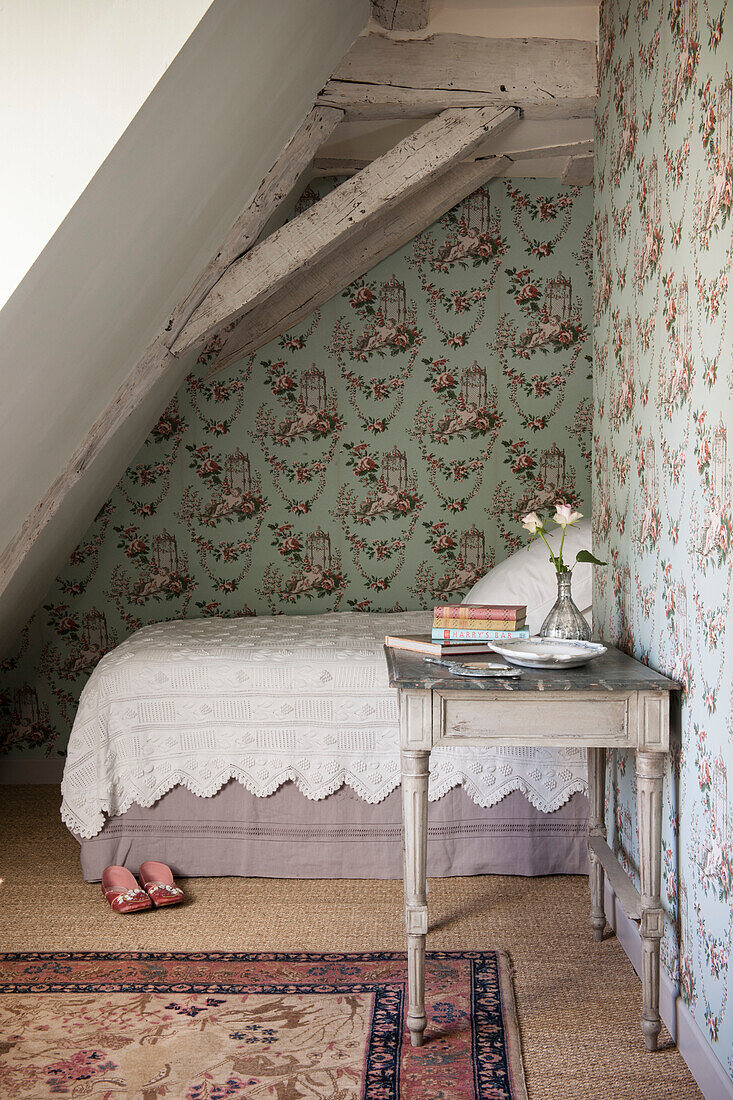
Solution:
(156, 887)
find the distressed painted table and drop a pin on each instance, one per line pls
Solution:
(614, 702)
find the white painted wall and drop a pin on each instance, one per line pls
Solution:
(131, 247)
(73, 74)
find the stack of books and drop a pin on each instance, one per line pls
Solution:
(474, 622)
(463, 629)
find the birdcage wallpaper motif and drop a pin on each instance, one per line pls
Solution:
(725, 120)
(318, 549)
(476, 212)
(393, 302)
(719, 467)
(720, 800)
(472, 548)
(551, 467)
(559, 297)
(94, 630)
(165, 552)
(237, 474)
(183, 539)
(27, 709)
(474, 388)
(313, 392)
(394, 469)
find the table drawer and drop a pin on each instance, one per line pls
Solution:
(505, 718)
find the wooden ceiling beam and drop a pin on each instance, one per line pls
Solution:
(369, 196)
(401, 15)
(386, 78)
(376, 102)
(288, 171)
(367, 247)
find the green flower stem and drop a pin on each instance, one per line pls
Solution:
(556, 559)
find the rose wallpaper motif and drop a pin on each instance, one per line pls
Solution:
(375, 458)
(663, 414)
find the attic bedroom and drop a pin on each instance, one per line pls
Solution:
(365, 556)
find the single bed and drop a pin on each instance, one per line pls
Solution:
(269, 746)
(302, 701)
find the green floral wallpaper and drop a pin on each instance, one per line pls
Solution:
(375, 458)
(662, 473)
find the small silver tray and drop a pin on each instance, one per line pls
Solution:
(472, 669)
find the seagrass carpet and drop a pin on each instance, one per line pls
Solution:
(290, 1026)
(578, 1002)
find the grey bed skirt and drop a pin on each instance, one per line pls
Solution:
(289, 836)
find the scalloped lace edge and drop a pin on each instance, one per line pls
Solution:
(436, 790)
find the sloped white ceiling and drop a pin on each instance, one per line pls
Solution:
(130, 248)
(72, 77)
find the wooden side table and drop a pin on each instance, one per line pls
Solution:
(614, 702)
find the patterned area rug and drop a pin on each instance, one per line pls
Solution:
(286, 1027)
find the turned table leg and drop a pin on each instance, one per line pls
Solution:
(649, 808)
(596, 827)
(415, 768)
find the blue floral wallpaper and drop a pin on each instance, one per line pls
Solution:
(663, 412)
(375, 458)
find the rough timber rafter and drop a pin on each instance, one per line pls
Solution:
(332, 274)
(368, 197)
(286, 173)
(388, 78)
(289, 169)
(401, 15)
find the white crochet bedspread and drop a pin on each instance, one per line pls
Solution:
(267, 700)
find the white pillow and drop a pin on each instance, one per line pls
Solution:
(528, 576)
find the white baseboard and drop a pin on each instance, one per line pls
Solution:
(711, 1077)
(40, 769)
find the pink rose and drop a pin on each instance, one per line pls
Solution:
(284, 382)
(522, 462)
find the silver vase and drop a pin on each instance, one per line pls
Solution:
(565, 620)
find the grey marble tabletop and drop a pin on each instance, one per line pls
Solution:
(612, 671)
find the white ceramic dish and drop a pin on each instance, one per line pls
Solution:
(536, 652)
